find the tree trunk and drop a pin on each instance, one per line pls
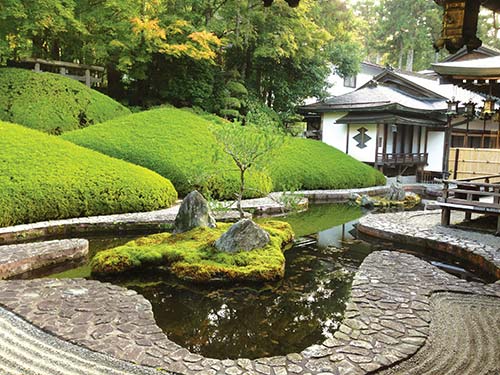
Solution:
(400, 61)
(240, 195)
(409, 60)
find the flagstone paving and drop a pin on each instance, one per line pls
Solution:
(422, 228)
(387, 320)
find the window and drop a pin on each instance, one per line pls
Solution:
(457, 140)
(350, 81)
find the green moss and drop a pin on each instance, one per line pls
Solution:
(43, 177)
(52, 103)
(192, 256)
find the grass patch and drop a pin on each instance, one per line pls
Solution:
(177, 144)
(43, 177)
(192, 256)
(52, 103)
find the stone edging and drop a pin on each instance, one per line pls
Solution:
(162, 219)
(18, 259)
(342, 195)
(386, 321)
(413, 228)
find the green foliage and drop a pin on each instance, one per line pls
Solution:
(176, 144)
(192, 256)
(43, 177)
(400, 32)
(52, 103)
(308, 165)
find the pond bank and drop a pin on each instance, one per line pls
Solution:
(163, 219)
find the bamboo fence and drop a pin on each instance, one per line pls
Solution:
(474, 162)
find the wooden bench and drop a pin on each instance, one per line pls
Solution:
(471, 196)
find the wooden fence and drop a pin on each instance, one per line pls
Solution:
(474, 162)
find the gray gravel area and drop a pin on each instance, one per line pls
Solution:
(27, 350)
(463, 338)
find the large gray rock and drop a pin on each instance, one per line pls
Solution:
(244, 235)
(194, 212)
(366, 202)
(396, 192)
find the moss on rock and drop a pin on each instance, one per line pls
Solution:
(192, 256)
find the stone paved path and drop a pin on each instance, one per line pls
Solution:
(387, 320)
(27, 350)
(422, 228)
(463, 339)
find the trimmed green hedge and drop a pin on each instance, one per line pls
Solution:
(52, 103)
(175, 143)
(179, 145)
(43, 177)
(309, 165)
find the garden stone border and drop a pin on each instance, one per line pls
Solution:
(386, 321)
(423, 229)
(164, 219)
(18, 259)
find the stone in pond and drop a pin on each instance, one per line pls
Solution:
(366, 202)
(396, 192)
(194, 212)
(245, 235)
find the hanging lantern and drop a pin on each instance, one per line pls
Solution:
(459, 25)
(470, 109)
(452, 107)
(488, 108)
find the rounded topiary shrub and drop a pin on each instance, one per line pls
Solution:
(43, 177)
(309, 165)
(52, 103)
(177, 144)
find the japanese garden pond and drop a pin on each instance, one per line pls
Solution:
(257, 320)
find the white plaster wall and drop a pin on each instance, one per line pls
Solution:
(334, 134)
(435, 146)
(390, 139)
(366, 154)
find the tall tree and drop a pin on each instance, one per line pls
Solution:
(400, 32)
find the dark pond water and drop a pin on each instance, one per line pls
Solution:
(270, 319)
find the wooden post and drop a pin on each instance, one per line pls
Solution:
(498, 226)
(455, 166)
(87, 77)
(445, 216)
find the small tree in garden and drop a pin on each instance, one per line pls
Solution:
(247, 146)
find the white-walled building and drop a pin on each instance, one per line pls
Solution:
(397, 121)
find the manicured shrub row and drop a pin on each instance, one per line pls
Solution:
(192, 256)
(52, 103)
(180, 146)
(175, 143)
(43, 177)
(309, 165)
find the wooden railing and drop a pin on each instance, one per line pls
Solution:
(402, 158)
(471, 196)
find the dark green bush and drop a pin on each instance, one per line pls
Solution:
(52, 103)
(310, 165)
(43, 177)
(175, 143)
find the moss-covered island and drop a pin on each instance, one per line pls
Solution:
(192, 256)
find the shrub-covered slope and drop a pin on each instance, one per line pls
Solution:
(52, 103)
(175, 143)
(179, 145)
(309, 165)
(43, 177)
